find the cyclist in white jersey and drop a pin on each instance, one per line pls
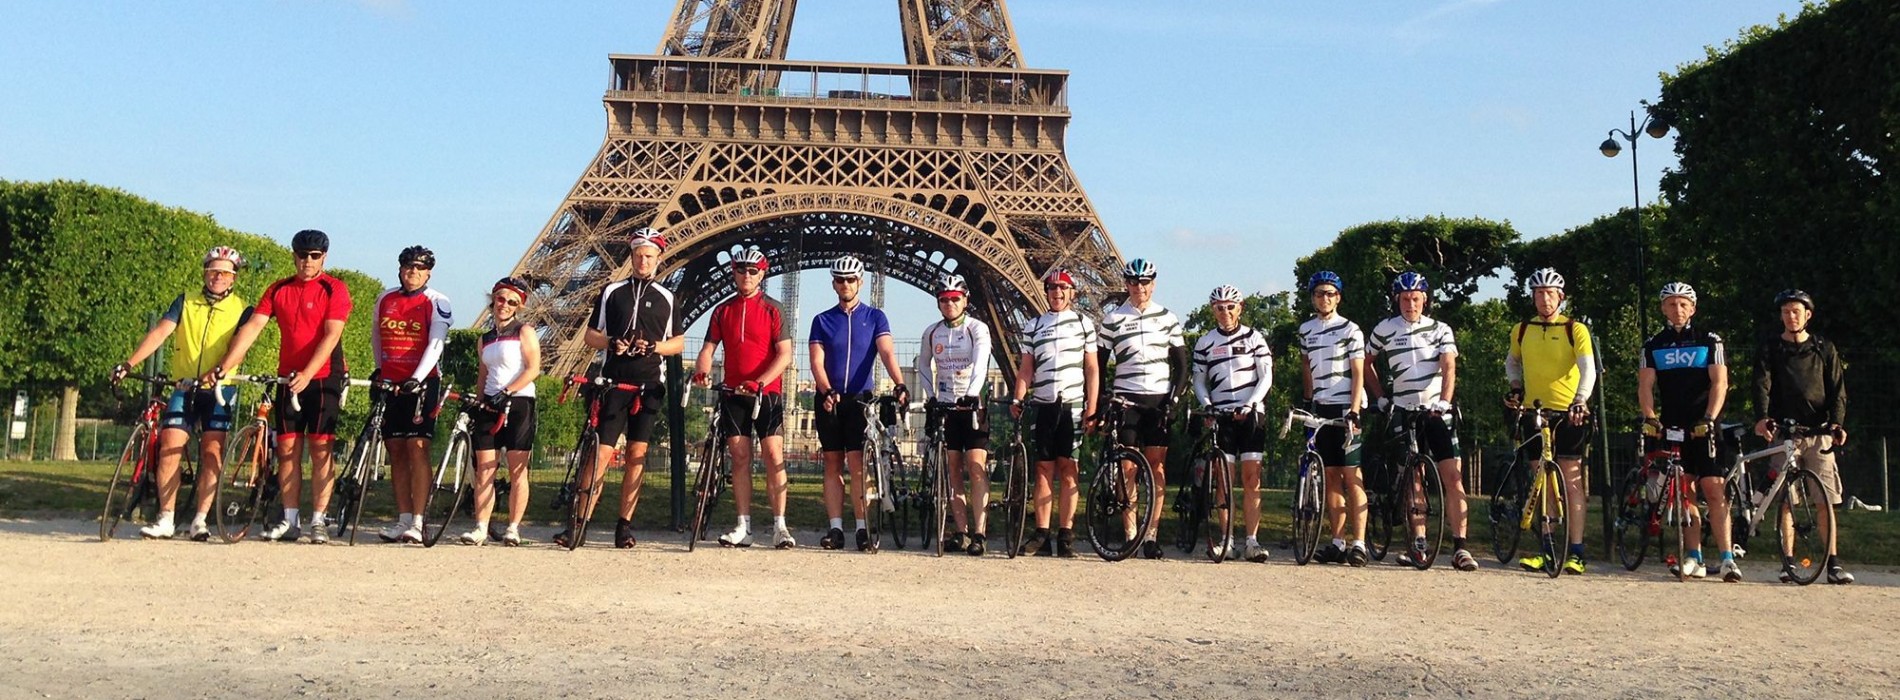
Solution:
(952, 365)
(1233, 368)
(1334, 381)
(1143, 341)
(1420, 357)
(1058, 364)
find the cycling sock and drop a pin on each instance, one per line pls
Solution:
(1695, 554)
(415, 523)
(290, 516)
(1253, 540)
(1359, 543)
(1576, 550)
(837, 523)
(778, 521)
(745, 523)
(198, 519)
(404, 519)
(1339, 543)
(165, 517)
(860, 523)
(1457, 543)
(1728, 556)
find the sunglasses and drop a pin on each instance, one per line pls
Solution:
(220, 273)
(308, 254)
(948, 299)
(507, 301)
(1325, 293)
(417, 266)
(1055, 287)
(1226, 307)
(747, 271)
(1138, 281)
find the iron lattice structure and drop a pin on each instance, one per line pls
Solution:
(952, 162)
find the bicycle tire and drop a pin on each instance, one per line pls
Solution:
(877, 479)
(1630, 522)
(1507, 512)
(1556, 529)
(1112, 499)
(450, 493)
(587, 451)
(1309, 509)
(125, 487)
(1681, 501)
(703, 493)
(1188, 509)
(906, 490)
(366, 473)
(1807, 529)
(1741, 510)
(1218, 524)
(1015, 499)
(235, 502)
(1425, 497)
(1382, 510)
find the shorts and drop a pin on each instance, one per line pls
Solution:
(961, 430)
(841, 430)
(1821, 464)
(1336, 447)
(316, 409)
(736, 416)
(630, 414)
(1242, 438)
(1696, 458)
(1572, 441)
(1436, 439)
(1057, 430)
(399, 412)
(488, 432)
(198, 411)
(1144, 424)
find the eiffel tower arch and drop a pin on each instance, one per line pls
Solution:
(951, 162)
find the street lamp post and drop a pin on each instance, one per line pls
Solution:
(1656, 127)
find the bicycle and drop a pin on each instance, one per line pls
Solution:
(714, 474)
(134, 486)
(931, 494)
(1655, 494)
(1513, 510)
(581, 498)
(1309, 491)
(1118, 509)
(883, 461)
(368, 461)
(249, 484)
(1804, 517)
(1205, 503)
(453, 490)
(1414, 495)
(1014, 506)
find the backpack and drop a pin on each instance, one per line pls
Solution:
(1570, 330)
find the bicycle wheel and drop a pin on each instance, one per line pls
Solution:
(127, 487)
(585, 491)
(1015, 502)
(941, 501)
(877, 476)
(1630, 524)
(1117, 496)
(1507, 512)
(1382, 514)
(1218, 503)
(1800, 521)
(1424, 500)
(353, 489)
(1309, 509)
(1555, 533)
(453, 491)
(1190, 508)
(1682, 510)
(1741, 510)
(245, 468)
(905, 516)
(704, 490)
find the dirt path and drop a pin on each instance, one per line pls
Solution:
(82, 619)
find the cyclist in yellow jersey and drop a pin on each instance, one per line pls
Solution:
(199, 324)
(1553, 365)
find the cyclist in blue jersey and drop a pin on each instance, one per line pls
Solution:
(844, 339)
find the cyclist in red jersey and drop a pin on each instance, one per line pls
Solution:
(310, 308)
(757, 340)
(412, 324)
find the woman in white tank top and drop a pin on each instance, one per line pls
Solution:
(511, 360)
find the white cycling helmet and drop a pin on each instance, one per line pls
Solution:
(226, 254)
(1678, 289)
(952, 284)
(648, 237)
(1139, 268)
(1224, 293)
(1545, 277)
(749, 256)
(847, 267)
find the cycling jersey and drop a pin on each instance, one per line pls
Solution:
(502, 360)
(1139, 340)
(615, 315)
(204, 332)
(1555, 361)
(1233, 369)
(301, 307)
(410, 330)
(749, 330)
(954, 360)
(850, 343)
(1330, 347)
(1681, 360)
(1801, 381)
(1055, 342)
(1411, 356)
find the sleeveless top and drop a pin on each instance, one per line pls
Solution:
(501, 356)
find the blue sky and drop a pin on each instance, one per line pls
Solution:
(1221, 139)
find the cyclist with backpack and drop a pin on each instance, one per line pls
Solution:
(1798, 376)
(1552, 365)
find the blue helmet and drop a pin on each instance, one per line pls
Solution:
(1139, 268)
(1325, 277)
(1409, 282)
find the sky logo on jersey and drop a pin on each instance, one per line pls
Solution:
(1681, 358)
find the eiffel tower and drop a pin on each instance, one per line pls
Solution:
(951, 162)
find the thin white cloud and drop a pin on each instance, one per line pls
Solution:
(1198, 240)
(1427, 28)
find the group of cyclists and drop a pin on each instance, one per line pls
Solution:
(1407, 365)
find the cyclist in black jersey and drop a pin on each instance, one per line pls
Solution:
(1687, 369)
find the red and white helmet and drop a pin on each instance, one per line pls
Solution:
(749, 257)
(227, 254)
(1059, 275)
(648, 237)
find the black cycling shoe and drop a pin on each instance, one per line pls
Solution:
(957, 542)
(623, 535)
(1151, 550)
(1356, 556)
(561, 538)
(864, 541)
(976, 548)
(1065, 543)
(1033, 544)
(833, 539)
(1330, 554)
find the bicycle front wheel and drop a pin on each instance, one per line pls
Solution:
(1553, 506)
(1423, 501)
(1120, 501)
(586, 491)
(1015, 503)
(1630, 523)
(247, 465)
(127, 487)
(940, 497)
(1801, 516)
(705, 490)
(453, 492)
(346, 506)
(1309, 509)
(1741, 511)
(1507, 513)
(1218, 503)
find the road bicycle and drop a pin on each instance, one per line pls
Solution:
(714, 474)
(579, 496)
(1122, 493)
(249, 487)
(1413, 497)
(1803, 514)
(1013, 509)
(884, 465)
(1205, 504)
(1656, 494)
(133, 492)
(930, 497)
(452, 492)
(1309, 489)
(1533, 498)
(368, 461)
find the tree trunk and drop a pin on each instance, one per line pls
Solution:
(63, 449)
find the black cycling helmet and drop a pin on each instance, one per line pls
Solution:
(1788, 295)
(310, 239)
(417, 254)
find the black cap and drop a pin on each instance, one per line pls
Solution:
(310, 239)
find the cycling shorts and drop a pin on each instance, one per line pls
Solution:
(1057, 430)
(1697, 460)
(630, 414)
(961, 430)
(736, 416)
(198, 410)
(399, 412)
(1571, 441)
(488, 432)
(1337, 447)
(316, 410)
(1144, 424)
(841, 430)
(1436, 439)
(1242, 438)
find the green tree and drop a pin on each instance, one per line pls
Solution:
(1456, 255)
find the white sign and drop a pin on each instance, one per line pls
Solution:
(17, 431)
